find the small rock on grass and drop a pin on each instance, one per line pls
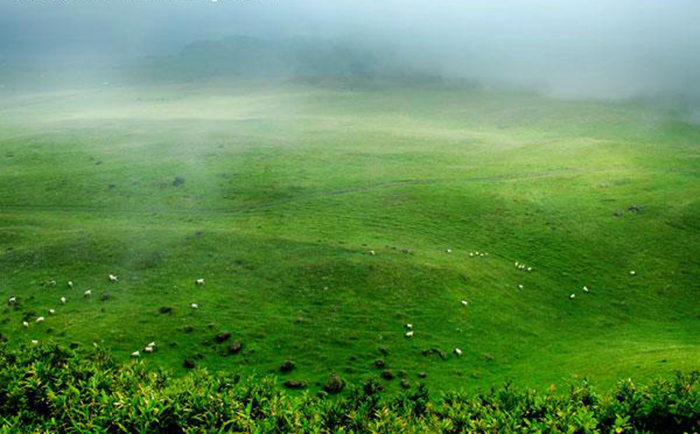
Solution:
(334, 384)
(235, 347)
(287, 366)
(223, 337)
(295, 384)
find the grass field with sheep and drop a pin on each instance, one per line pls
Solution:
(325, 217)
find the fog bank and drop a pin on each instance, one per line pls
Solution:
(582, 48)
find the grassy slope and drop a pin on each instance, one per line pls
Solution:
(286, 189)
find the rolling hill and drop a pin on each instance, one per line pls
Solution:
(277, 192)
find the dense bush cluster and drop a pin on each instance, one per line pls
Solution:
(50, 388)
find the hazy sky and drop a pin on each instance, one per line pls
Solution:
(570, 46)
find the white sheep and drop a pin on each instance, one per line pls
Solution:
(63, 300)
(517, 264)
(12, 300)
(372, 253)
(448, 250)
(113, 278)
(40, 319)
(409, 326)
(471, 254)
(148, 350)
(70, 283)
(52, 311)
(633, 273)
(25, 324)
(529, 268)
(585, 289)
(458, 352)
(35, 342)
(409, 334)
(572, 296)
(482, 254)
(199, 281)
(88, 293)
(152, 344)
(465, 302)
(135, 354)
(194, 306)
(520, 286)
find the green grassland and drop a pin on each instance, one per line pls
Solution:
(289, 185)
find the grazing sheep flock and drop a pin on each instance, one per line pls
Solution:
(522, 267)
(518, 265)
(151, 347)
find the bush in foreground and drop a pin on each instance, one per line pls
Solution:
(50, 388)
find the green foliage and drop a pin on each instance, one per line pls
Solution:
(50, 388)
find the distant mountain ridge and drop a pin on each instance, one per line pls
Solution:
(249, 56)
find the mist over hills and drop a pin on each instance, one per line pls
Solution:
(575, 49)
(235, 56)
(247, 56)
(349, 197)
(366, 61)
